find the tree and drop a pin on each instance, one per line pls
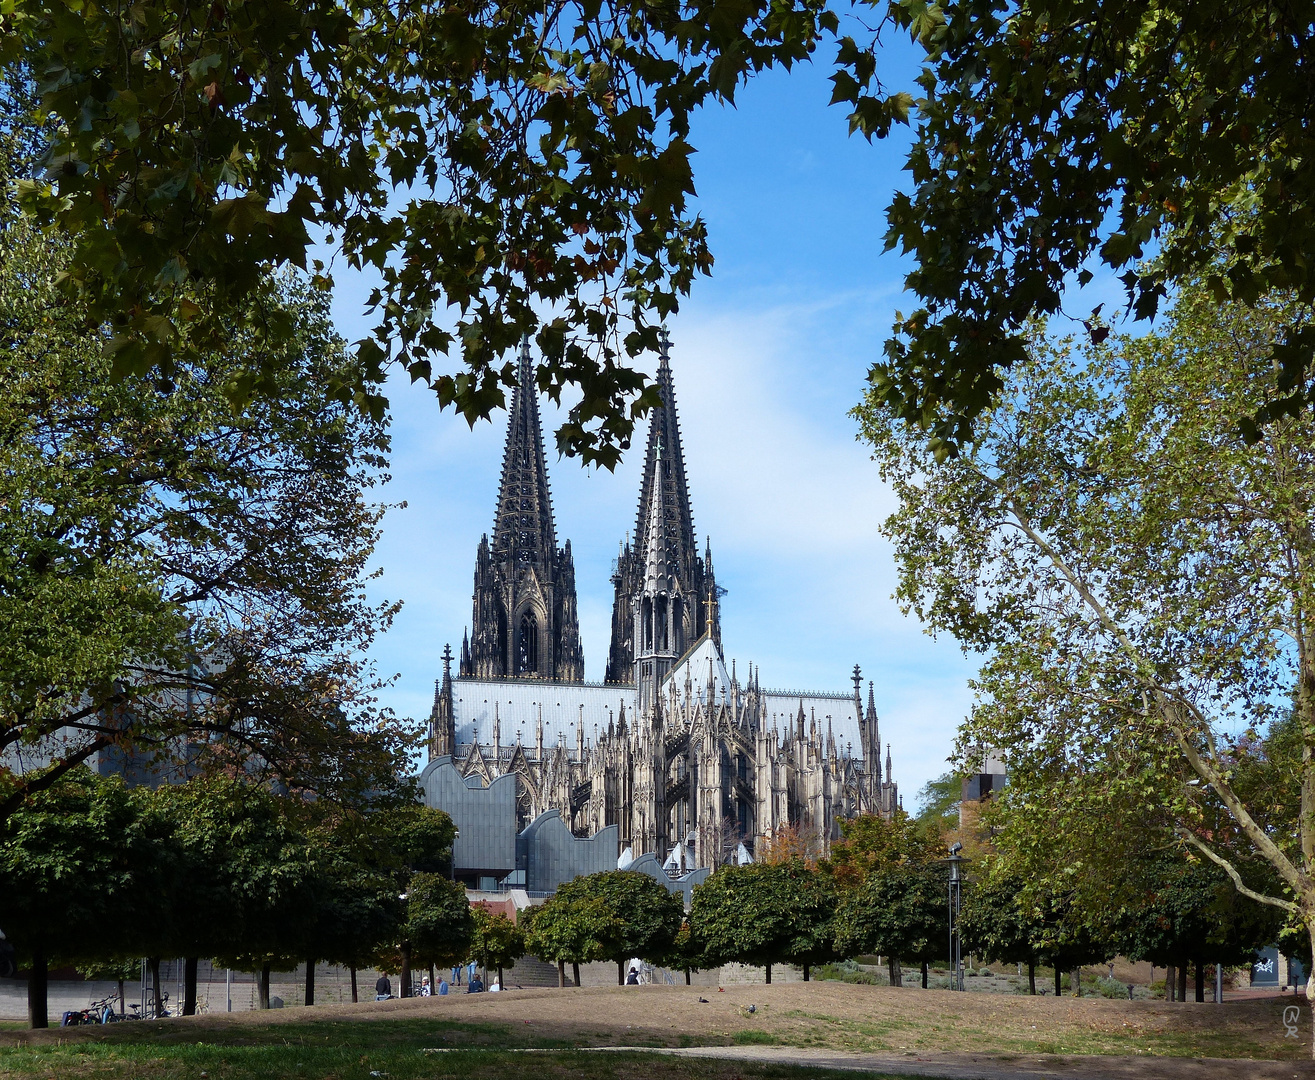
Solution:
(74, 860)
(562, 931)
(1056, 138)
(496, 941)
(1140, 579)
(1191, 914)
(178, 576)
(900, 912)
(997, 923)
(485, 161)
(764, 914)
(438, 925)
(621, 915)
(871, 842)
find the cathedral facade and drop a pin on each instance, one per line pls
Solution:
(688, 760)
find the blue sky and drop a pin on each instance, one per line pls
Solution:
(768, 355)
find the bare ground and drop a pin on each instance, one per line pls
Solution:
(818, 1016)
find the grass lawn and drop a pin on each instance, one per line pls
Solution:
(384, 1050)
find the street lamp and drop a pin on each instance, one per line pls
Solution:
(956, 862)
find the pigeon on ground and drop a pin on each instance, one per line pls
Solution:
(703, 1000)
(753, 1008)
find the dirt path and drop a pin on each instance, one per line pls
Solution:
(994, 1067)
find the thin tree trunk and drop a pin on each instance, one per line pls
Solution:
(1182, 982)
(769, 974)
(1031, 977)
(561, 974)
(264, 987)
(687, 982)
(575, 972)
(806, 967)
(1075, 978)
(620, 973)
(433, 981)
(123, 1001)
(154, 964)
(1200, 981)
(500, 976)
(924, 974)
(1059, 982)
(189, 986)
(310, 982)
(405, 977)
(353, 971)
(1170, 982)
(37, 980)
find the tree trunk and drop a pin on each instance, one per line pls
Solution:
(500, 976)
(1059, 982)
(1075, 979)
(154, 964)
(405, 977)
(768, 969)
(896, 972)
(575, 972)
(1182, 982)
(620, 973)
(189, 986)
(687, 982)
(353, 970)
(1170, 982)
(433, 981)
(561, 974)
(1200, 981)
(310, 982)
(806, 969)
(263, 991)
(37, 978)
(1031, 977)
(123, 1001)
(924, 974)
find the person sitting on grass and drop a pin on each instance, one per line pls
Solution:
(475, 985)
(383, 989)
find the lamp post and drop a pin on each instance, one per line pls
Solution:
(956, 862)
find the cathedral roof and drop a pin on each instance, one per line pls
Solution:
(519, 703)
(701, 660)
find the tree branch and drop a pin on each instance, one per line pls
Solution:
(1231, 871)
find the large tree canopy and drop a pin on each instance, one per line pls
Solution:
(487, 162)
(1056, 138)
(1141, 581)
(173, 575)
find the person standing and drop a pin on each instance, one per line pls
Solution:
(456, 974)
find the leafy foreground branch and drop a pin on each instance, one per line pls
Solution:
(1141, 582)
(179, 584)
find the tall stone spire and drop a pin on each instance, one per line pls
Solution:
(665, 485)
(525, 619)
(658, 612)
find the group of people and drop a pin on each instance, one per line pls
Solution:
(383, 987)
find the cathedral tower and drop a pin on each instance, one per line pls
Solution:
(525, 622)
(663, 498)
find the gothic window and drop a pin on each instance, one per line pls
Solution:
(502, 638)
(527, 644)
(660, 623)
(648, 624)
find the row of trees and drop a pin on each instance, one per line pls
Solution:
(884, 891)
(97, 872)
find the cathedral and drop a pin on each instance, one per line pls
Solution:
(691, 762)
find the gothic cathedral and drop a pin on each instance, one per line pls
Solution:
(692, 762)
